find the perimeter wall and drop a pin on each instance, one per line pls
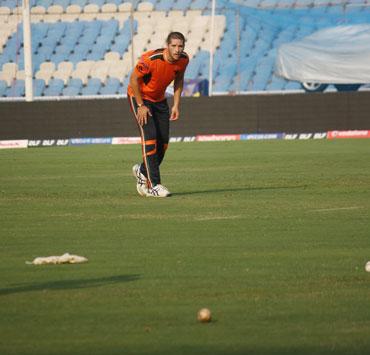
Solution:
(289, 113)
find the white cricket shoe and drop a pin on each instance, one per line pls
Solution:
(158, 191)
(142, 189)
(141, 180)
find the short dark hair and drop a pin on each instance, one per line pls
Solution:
(175, 35)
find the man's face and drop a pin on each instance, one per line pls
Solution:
(175, 48)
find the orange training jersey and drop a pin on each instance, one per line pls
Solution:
(156, 74)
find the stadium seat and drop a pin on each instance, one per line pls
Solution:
(109, 8)
(9, 72)
(73, 88)
(99, 3)
(199, 5)
(82, 70)
(125, 7)
(111, 87)
(38, 87)
(92, 87)
(277, 84)
(3, 86)
(16, 89)
(145, 6)
(46, 71)
(293, 85)
(63, 3)
(54, 88)
(99, 70)
(182, 5)
(55, 9)
(80, 3)
(64, 71)
(164, 5)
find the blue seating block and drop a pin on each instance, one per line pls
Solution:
(9, 3)
(182, 5)
(165, 5)
(3, 86)
(17, 89)
(55, 87)
(38, 87)
(92, 87)
(73, 88)
(111, 87)
(199, 5)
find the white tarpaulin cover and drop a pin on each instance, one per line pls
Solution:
(334, 55)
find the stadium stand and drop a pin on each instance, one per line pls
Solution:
(88, 47)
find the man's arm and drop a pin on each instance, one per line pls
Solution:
(178, 86)
(142, 111)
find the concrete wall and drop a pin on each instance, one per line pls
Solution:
(289, 113)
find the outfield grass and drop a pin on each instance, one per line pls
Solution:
(271, 236)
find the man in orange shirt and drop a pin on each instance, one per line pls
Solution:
(153, 73)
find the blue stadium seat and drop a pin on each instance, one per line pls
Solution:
(125, 82)
(44, 3)
(111, 87)
(103, 42)
(87, 39)
(96, 54)
(63, 3)
(73, 88)
(293, 85)
(40, 28)
(55, 87)
(260, 79)
(126, 29)
(92, 87)
(192, 71)
(3, 86)
(46, 52)
(199, 5)
(38, 87)
(245, 77)
(37, 59)
(81, 3)
(164, 5)
(121, 44)
(9, 3)
(116, 2)
(59, 57)
(100, 3)
(277, 83)
(17, 89)
(181, 5)
(109, 28)
(80, 53)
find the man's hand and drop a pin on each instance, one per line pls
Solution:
(175, 113)
(142, 115)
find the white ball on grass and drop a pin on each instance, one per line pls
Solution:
(367, 266)
(204, 315)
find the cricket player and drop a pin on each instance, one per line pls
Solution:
(153, 73)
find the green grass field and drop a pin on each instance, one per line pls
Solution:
(271, 236)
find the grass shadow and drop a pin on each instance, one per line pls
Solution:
(238, 189)
(68, 284)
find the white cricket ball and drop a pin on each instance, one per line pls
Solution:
(204, 315)
(367, 266)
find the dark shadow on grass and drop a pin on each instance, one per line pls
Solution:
(238, 189)
(68, 284)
